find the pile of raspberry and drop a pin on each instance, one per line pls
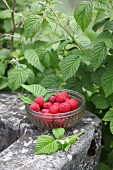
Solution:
(61, 102)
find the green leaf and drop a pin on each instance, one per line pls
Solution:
(105, 37)
(99, 24)
(107, 81)
(5, 14)
(101, 14)
(67, 147)
(32, 25)
(35, 89)
(31, 76)
(70, 65)
(50, 81)
(46, 145)
(97, 79)
(16, 77)
(103, 166)
(3, 82)
(108, 116)
(48, 95)
(111, 126)
(2, 69)
(109, 26)
(98, 54)
(58, 132)
(27, 100)
(99, 101)
(33, 59)
(83, 14)
(110, 99)
(75, 84)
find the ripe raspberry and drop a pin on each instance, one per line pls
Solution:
(34, 106)
(65, 94)
(45, 111)
(54, 109)
(47, 105)
(73, 103)
(64, 107)
(56, 104)
(52, 99)
(39, 100)
(60, 97)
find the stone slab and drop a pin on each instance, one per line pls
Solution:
(83, 155)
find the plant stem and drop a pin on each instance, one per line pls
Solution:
(10, 35)
(75, 136)
(61, 25)
(14, 25)
(7, 5)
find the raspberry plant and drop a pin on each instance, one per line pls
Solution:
(49, 48)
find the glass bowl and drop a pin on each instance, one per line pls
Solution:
(65, 120)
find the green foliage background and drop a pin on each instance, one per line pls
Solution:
(54, 50)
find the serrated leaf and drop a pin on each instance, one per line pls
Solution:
(107, 81)
(109, 26)
(67, 147)
(5, 14)
(46, 145)
(103, 166)
(27, 100)
(83, 14)
(33, 59)
(31, 76)
(16, 77)
(98, 54)
(74, 83)
(58, 132)
(2, 69)
(99, 101)
(50, 81)
(105, 37)
(110, 99)
(100, 24)
(35, 89)
(101, 14)
(3, 82)
(111, 126)
(108, 116)
(70, 65)
(32, 25)
(97, 79)
(99, 5)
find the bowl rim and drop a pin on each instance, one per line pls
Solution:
(49, 115)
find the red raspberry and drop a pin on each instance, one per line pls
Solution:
(60, 97)
(39, 100)
(45, 111)
(67, 100)
(56, 104)
(74, 103)
(34, 106)
(52, 99)
(65, 94)
(47, 105)
(54, 109)
(64, 107)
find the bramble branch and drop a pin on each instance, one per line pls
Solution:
(14, 25)
(9, 35)
(7, 5)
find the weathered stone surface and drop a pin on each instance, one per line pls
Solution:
(21, 135)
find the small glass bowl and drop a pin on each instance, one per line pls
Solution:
(65, 120)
